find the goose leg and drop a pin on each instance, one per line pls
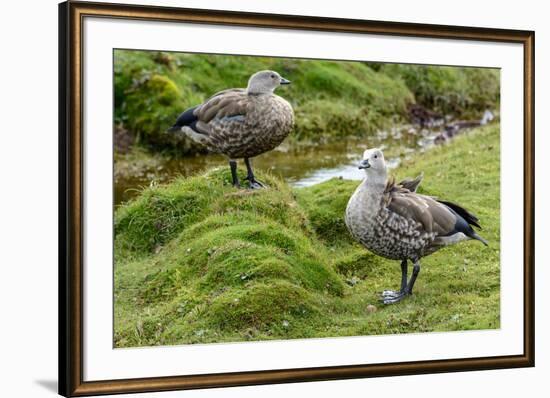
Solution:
(254, 184)
(233, 166)
(403, 275)
(389, 295)
(416, 271)
(390, 299)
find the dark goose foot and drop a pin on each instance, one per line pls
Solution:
(392, 296)
(254, 184)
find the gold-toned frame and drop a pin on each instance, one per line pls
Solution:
(71, 15)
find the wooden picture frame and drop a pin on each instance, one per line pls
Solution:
(71, 238)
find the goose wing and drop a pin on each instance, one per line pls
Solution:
(432, 216)
(412, 184)
(227, 103)
(230, 104)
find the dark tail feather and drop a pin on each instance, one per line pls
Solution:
(479, 238)
(468, 218)
(462, 212)
(187, 118)
(175, 128)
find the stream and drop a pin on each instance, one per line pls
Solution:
(299, 165)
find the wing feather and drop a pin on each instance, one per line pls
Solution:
(432, 216)
(427, 214)
(227, 103)
(412, 184)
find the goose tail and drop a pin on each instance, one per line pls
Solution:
(479, 238)
(174, 129)
(187, 118)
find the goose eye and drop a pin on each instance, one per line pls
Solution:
(376, 156)
(273, 76)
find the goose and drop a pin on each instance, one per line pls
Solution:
(241, 123)
(394, 221)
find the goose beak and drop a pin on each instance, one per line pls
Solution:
(284, 81)
(364, 164)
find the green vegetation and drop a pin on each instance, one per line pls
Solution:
(331, 98)
(199, 261)
(449, 90)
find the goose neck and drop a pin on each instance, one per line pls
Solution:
(375, 183)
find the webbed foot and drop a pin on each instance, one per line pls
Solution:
(390, 293)
(254, 184)
(392, 296)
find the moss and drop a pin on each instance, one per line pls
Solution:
(325, 204)
(159, 214)
(199, 240)
(260, 306)
(359, 263)
(450, 90)
(148, 100)
(331, 98)
(199, 261)
(318, 117)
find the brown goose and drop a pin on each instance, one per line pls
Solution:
(241, 123)
(395, 222)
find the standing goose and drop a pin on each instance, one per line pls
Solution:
(241, 123)
(395, 222)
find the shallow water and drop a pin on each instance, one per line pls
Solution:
(299, 165)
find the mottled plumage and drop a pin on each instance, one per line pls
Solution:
(395, 222)
(241, 123)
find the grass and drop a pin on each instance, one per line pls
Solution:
(199, 261)
(332, 99)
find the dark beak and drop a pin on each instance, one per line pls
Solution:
(284, 81)
(364, 164)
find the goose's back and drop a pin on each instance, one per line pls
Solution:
(265, 123)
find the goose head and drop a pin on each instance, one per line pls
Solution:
(373, 163)
(265, 82)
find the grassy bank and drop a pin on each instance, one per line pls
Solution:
(199, 261)
(331, 99)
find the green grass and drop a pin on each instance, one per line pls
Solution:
(199, 261)
(331, 99)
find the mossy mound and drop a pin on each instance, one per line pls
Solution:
(214, 259)
(325, 204)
